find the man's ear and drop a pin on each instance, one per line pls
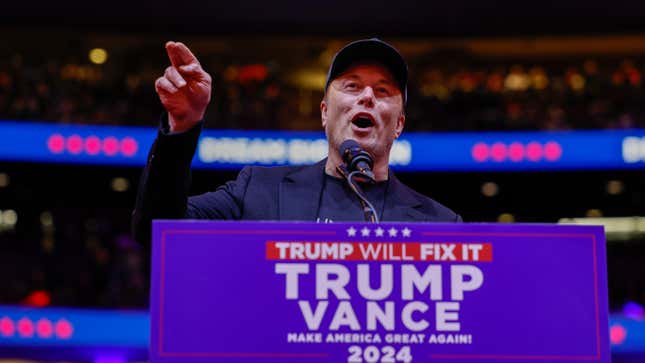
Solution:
(323, 113)
(400, 123)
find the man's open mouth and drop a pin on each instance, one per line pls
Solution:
(363, 121)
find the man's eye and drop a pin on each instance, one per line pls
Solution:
(351, 86)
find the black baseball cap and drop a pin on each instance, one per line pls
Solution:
(372, 50)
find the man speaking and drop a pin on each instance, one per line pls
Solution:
(362, 113)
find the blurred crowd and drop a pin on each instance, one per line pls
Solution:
(559, 95)
(73, 260)
(444, 96)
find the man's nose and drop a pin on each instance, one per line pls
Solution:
(366, 98)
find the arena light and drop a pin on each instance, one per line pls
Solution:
(633, 149)
(577, 82)
(4, 180)
(506, 218)
(25, 328)
(617, 334)
(9, 218)
(615, 187)
(44, 328)
(28, 328)
(120, 184)
(516, 152)
(7, 327)
(46, 219)
(38, 298)
(98, 55)
(64, 329)
(93, 145)
(490, 189)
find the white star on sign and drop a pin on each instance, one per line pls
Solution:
(351, 231)
(379, 232)
(392, 232)
(365, 232)
(406, 232)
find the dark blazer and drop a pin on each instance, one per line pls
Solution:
(259, 193)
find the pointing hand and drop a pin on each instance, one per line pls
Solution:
(184, 89)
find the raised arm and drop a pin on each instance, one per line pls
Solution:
(184, 90)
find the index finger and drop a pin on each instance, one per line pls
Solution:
(179, 54)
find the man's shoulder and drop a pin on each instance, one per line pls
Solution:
(432, 204)
(428, 206)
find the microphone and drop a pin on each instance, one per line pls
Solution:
(358, 163)
(357, 159)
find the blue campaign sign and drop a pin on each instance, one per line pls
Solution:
(232, 149)
(390, 292)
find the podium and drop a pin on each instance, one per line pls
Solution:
(388, 292)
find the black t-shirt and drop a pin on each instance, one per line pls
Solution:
(339, 203)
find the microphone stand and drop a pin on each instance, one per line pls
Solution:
(368, 209)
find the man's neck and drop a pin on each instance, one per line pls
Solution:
(380, 167)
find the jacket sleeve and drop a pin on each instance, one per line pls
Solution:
(164, 183)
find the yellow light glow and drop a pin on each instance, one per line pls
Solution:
(577, 82)
(9, 217)
(4, 180)
(120, 184)
(490, 189)
(615, 187)
(98, 55)
(46, 219)
(506, 218)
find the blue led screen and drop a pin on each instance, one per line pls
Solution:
(231, 149)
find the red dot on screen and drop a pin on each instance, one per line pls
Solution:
(516, 151)
(480, 152)
(129, 146)
(92, 145)
(75, 144)
(534, 151)
(110, 146)
(44, 328)
(64, 329)
(56, 143)
(617, 334)
(25, 328)
(7, 327)
(498, 151)
(552, 151)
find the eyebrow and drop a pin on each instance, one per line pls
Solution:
(380, 81)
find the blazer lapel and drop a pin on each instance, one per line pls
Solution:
(400, 203)
(300, 193)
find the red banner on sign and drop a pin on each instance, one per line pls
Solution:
(379, 251)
